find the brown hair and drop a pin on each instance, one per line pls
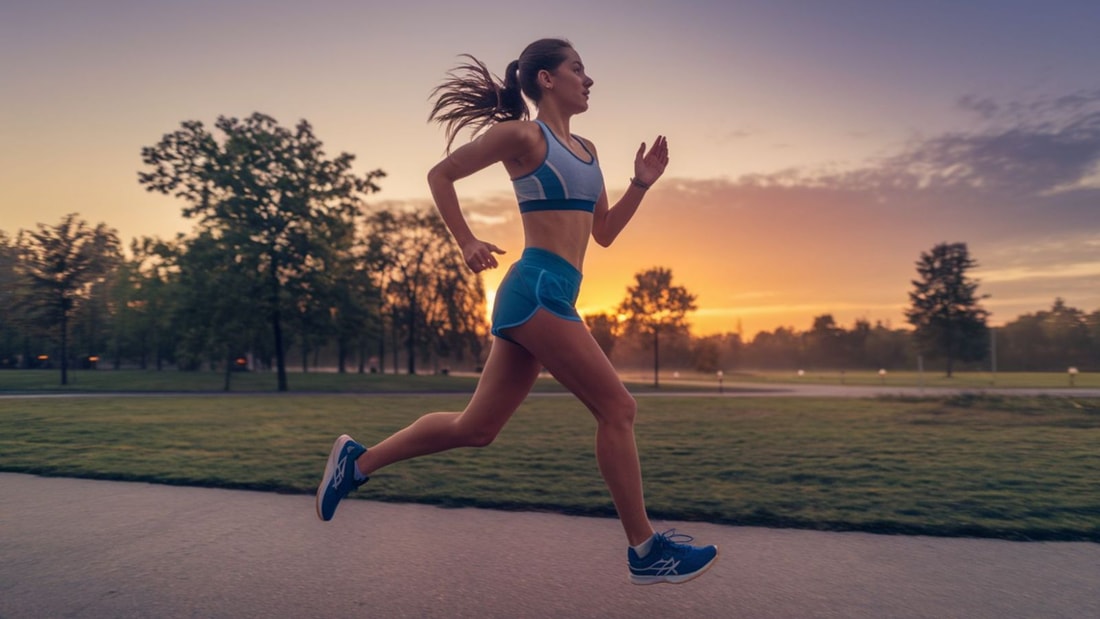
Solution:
(471, 95)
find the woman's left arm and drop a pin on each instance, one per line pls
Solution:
(648, 167)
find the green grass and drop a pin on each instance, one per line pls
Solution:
(1016, 468)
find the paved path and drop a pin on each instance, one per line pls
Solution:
(91, 549)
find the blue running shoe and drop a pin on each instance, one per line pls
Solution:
(670, 561)
(339, 477)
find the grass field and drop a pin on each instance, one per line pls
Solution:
(1008, 467)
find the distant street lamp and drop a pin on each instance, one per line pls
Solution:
(1072, 375)
(719, 381)
(882, 375)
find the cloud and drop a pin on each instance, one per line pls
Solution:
(1065, 271)
(985, 107)
(1048, 145)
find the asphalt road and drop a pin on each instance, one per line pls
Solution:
(82, 548)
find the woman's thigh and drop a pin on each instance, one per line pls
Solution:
(506, 379)
(569, 352)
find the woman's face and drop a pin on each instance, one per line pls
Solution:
(569, 83)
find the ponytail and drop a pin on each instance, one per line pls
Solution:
(472, 96)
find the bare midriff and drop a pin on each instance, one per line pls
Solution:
(564, 233)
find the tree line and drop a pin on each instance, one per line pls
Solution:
(949, 330)
(285, 259)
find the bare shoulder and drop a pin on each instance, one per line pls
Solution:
(524, 133)
(514, 139)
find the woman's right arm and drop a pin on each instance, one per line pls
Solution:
(503, 141)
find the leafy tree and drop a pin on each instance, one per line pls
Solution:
(885, 347)
(436, 303)
(12, 289)
(1092, 321)
(214, 293)
(825, 342)
(653, 305)
(269, 194)
(706, 353)
(354, 298)
(1049, 340)
(605, 329)
(62, 264)
(781, 348)
(1067, 331)
(950, 323)
(145, 295)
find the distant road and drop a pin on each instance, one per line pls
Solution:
(100, 549)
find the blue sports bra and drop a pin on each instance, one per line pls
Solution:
(563, 182)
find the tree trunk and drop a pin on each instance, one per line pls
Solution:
(393, 343)
(277, 327)
(412, 340)
(656, 359)
(228, 367)
(64, 347)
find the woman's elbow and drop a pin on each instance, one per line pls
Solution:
(602, 238)
(435, 174)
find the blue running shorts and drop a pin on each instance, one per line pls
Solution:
(539, 280)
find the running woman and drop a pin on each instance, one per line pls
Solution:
(559, 187)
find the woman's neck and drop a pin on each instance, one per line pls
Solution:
(558, 123)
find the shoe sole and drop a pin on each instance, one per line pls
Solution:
(677, 579)
(330, 470)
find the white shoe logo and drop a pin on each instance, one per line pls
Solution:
(338, 477)
(664, 567)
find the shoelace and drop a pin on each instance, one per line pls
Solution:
(677, 542)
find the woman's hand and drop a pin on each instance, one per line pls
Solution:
(479, 255)
(648, 167)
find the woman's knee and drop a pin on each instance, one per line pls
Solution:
(620, 410)
(475, 436)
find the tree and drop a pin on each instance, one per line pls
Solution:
(269, 194)
(62, 265)
(604, 328)
(213, 302)
(1049, 340)
(1092, 322)
(354, 306)
(653, 305)
(437, 304)
(145, 296)
(12, 289)
(778, 349)
(950, 323)
(825, 342)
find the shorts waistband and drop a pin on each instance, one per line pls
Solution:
(546, 259)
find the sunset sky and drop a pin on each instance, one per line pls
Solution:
(817, 147)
